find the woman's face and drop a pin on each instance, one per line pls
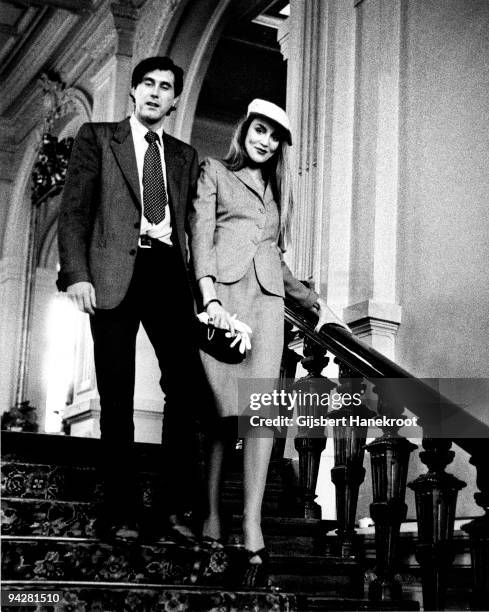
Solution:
(262, 140)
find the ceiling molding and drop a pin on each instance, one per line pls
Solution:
(269, 21)
(77, 7)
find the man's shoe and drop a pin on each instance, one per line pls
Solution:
(126, 532)
(178, 532)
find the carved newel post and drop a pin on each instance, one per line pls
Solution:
(389, 455)
(478, 531)
(436, 500)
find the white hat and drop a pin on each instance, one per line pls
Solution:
(271, 111)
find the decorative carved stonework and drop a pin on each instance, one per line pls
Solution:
(91, 48)
(125, 14)
(49, 173)
(52, 161)
(155, 17)
(58, 99)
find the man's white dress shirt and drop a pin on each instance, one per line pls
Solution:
(162, 230)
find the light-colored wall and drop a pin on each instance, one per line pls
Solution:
(443, 223)
(443, 249)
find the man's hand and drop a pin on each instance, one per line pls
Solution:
(83, 295)
(326, 315)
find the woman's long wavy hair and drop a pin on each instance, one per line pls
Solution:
(276, 170)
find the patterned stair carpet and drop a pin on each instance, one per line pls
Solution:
(50, 496)
(108, 597)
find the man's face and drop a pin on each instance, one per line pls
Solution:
(154, 97)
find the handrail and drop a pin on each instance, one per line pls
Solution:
(431, 407)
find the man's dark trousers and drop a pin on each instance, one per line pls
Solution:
(159, 298)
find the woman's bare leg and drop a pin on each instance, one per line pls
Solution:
(257, 453)
(212, 524)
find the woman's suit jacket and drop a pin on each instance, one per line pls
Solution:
(227, 219)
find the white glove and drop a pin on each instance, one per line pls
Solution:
(242, 335)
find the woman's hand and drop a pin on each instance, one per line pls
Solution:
(326, 315)
(243, 333)
(219, 317)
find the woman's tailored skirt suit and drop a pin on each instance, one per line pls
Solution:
(234, 229)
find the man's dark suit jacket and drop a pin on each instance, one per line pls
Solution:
(101, 208)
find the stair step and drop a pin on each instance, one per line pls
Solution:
(68, 450)
(51, 558)
(333, 576)
(320, 603)
(154, 598)
(28, 516)
(36, 481)
(47, 558)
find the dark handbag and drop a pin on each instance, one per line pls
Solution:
(214, 342)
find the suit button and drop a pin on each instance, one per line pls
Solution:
(132, 252)
(137, 225)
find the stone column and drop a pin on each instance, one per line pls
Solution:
(112, 82)
(343, 99)
(373, 311)
(43, 291)
(318, 41)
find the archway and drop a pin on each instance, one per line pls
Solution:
(28, 293)
(194, 40)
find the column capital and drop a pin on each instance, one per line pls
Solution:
(125, 14)
(283, 37)
(371, 309)
(375, 322)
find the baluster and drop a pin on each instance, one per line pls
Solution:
(288, 368)
(436, 500)
(478, 531)
(389, 456)
(310, 442)
(348, 472)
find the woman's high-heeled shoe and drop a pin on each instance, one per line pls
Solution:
(256, 574)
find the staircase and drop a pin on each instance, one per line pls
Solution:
(49, 495)
(50, 491)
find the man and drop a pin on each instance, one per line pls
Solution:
(123, 261)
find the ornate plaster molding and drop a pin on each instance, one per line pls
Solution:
(126, 15)
(155, 18)
(36, 56)
(95, 42)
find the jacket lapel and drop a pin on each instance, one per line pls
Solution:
(123, 147)
(174, 160)
(245, 176)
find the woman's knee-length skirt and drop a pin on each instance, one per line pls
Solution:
(264, 313)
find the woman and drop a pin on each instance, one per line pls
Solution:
(238, 220)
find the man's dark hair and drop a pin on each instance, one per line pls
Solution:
(157, 63)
